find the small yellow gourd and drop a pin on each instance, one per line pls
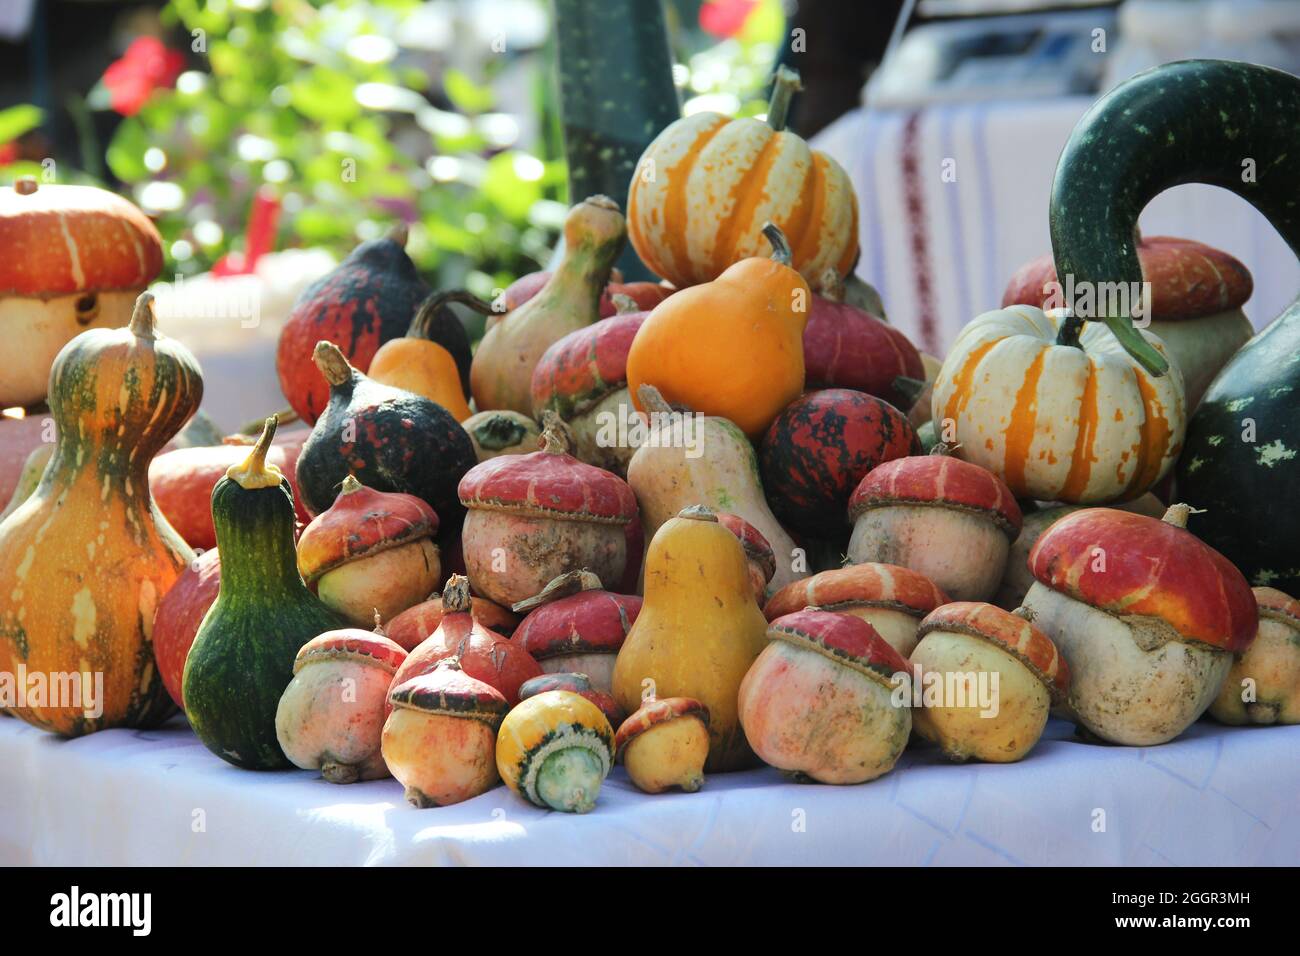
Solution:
(417, 363)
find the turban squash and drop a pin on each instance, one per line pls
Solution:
(1059, 415)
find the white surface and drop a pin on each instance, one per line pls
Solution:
(1218, 796)
(981, 227)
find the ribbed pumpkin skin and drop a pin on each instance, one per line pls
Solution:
(706, 185)
(242, 657)
(1082, 425)
(86, 559)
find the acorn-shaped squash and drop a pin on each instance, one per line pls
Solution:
(554, 750)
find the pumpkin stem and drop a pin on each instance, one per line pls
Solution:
(143, 321)
(254, 472)
(1028, 613)
(698, 513)
(399, 233)
(333, 364)
(652, 400)
(556, 439)
(624, 304)
(455, 596)
(436, 302)
(1177, 514)
(379, 621)
(604, 202)
(570, 583)
(780, 245)
(350, 485)
(943, 448)
(784, 86)
(1071, 327)
(832, 285)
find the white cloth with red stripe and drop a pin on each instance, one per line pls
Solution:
(953, 199)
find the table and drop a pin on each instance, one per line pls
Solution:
(1217, 796)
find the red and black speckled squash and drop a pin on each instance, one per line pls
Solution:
(85, 560)
(390, 439)
(820, 447)
(368, 300)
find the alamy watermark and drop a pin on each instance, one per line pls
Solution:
(59, 690)
(627, 428)
(1098, 300)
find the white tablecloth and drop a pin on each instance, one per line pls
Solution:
(941, 248)
(1217, 796)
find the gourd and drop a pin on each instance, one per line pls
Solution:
(85, 560)
(759, 556)
(502, 371)
(698, 632)
(180, 613)
(732, 347)
(390, 439)
(501, 433)
(418, 363)
(1263, 686)
(242, 657)
(29, 478)
(554, 750)
(646, 295)
(416, 623)
(708, 461)
(1058, 411)
(579, 684)
(708, 182)
(665, 744)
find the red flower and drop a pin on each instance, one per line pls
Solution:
(725, 18)
(147, 65)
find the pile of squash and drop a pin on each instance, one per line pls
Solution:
(726, 518)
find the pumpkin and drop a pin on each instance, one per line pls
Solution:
(698, 631)
(71, 258)
(1058, 415)
(820, 447)
(86, 559)
(665, 744)
(708, 182)
(1263, 686)
(180, 613)
(416, 623)
(732, 347)
(759, 556)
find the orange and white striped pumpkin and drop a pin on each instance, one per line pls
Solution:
(703, 189)
(1060, 416)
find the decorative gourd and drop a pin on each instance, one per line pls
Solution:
(242, 657)
(1196, 297)
(418, 363)
(708, 182)
(71, 258)
(502, 372)
(440, 739)
(845, 347)
(371, 552)
(85, 560)
(180, 613)
(715, 466)
(820, 447)
(1058, 415)
(391, 440)
(759, 556)
(890, 598)
(331, 716)
(1011, 674)
(820, 701)
(665, 744)
(368, 299)
(29, 479)
(698, 631)
(646, 295)
(574, 625)
(501, 432)
(416, 623)
(554, 750)
(1146, 616)
(579, 684)
(483, 654)
(733, 347)
(583, 379)
(1263, 686)
(535, 517)
(952, 521)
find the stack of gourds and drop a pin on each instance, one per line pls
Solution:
(688, 524)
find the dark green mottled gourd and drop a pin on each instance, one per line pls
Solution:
(1237, 126)
(242, 657)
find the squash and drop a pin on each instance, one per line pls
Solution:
(715, 466)
(29, 478)
(501, 433)
(733, 347)
(555, 750)
(502, 371)
(665, 744)
(86, 559)
(1058, 415)
(820, 447)
(180, 613)
(390, 439)
(698, 632)
(1263, 686)
(413, 625)
(418, 363)
(646, 295)
(708, 182)
(243, 656)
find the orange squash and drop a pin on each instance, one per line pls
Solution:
(731, 348)
(86, 559)
(708, 182)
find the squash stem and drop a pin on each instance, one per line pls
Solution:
(435, 303)
(455, 596)
(1070, 330)
(143, 321)
(780, 245)
(333, 364)
(784, 86)
(254, 472)
(1143, 352)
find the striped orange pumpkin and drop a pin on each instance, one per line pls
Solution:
(1059, 415)
(703, 189)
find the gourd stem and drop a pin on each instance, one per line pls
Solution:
(942, 449)
(784, 86)
(333, 364)
(1071, 328)
(832, 286)
(435, 303)
(567, 584)
(254, 472)
(555, 434)
(1177, 514)
(624, 304)
(604, 202)
(698, 513)
(25, 185)
(143, 320)
(780, 245)
(399, 233)
(652, 400)
(455, 596)
(350, 486)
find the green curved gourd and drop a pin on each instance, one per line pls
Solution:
(1192, 121)
(242, 656)
(1237, 126)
